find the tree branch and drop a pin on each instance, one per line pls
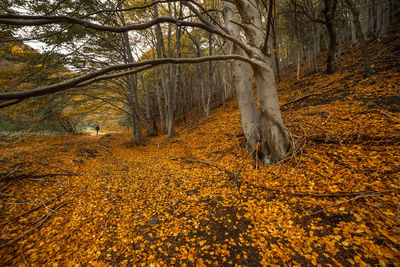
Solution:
(35, 20)
(97, 75)
(10, 103)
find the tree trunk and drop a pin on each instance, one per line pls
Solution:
(150, 130)
(240, 82)
(169, 93)
(361, 38)
(276, 51)
(329, 12)
(165, 77)
(210, 75)
(275, 141)
(177, 84)
(160, 106)
(132, 83)
(364, 17)
(353, 31)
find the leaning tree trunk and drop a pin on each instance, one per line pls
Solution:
(275, 141)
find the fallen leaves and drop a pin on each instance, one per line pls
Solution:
(149, 206)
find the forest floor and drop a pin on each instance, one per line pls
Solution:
(200, 199)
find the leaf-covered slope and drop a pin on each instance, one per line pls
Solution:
(200, 199)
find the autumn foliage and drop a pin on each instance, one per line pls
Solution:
(200, 199)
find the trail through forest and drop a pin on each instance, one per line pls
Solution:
(200, 199)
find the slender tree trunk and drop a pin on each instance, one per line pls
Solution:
(165, 78)
(210, 75)
(150, 129)
(353, 31)
(329, 13)
(132, 82)
(169, 91)
(298, 60)
(276, 51)
(361, 38)
(364, 17)
(177, 84)
(160, 106)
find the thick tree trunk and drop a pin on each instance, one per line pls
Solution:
(275, 141)
(240, 82)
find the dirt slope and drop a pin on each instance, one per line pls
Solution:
(333, 201)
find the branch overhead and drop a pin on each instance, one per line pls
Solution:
(100, 75)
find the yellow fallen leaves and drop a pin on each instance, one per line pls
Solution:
(138, 211)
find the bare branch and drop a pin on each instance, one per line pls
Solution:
(96, 76)
(29, 20)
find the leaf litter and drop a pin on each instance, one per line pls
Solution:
(200, 199)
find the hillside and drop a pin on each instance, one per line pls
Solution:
(200, 199)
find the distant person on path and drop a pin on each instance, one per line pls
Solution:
(97, 129)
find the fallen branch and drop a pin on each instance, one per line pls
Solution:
(298, 99)
(232, 176)
(352, 199)
(235, 177)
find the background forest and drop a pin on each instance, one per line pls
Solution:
(198, 162)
